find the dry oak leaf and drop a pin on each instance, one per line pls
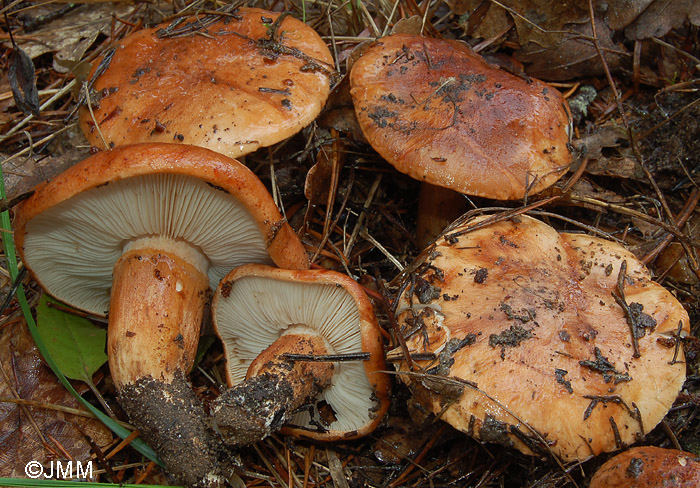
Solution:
(24, 372)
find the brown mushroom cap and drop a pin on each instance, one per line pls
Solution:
(255, 305)
(438, 113)
(531, 345)
(224, 85)
(649, 467)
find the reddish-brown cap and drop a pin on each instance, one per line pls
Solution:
(254, 305)
(437, 112)
(649, 467)
(72, 230)
(533, 350)
(223, 84)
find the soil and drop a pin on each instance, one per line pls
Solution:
(172, 421)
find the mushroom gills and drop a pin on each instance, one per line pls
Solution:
(263, 312)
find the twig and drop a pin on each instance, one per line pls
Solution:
(334, 358)
(623, 115)
(686, 212)
(43, 106)
(622, 302)
(381, 248)
(361, 218)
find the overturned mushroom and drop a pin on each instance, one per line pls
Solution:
(143, 232)
(231, 82)
(649, 467)
(266, 315)
(548, 342)
(439, 113)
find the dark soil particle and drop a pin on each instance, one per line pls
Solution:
(446, 357)
(511, 337)
(426, 292)
(640, 320)
(559, 375)
(379, 116)
(494, 431)
(524, 316)
(173, 422)
(254, 409)
(481, 275)
(635, 468)
(602, 365)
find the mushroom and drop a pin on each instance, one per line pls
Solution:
(262, 314)
(649, 467)
(231, 82)
(143, 232)
(439, 113)
(551, 343)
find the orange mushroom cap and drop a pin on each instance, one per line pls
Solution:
(439, 113)
(72, 230)
(224, 85)
(649, 467)
(532, 348)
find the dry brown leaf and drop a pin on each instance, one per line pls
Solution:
(320, 176)
(618, 14)
(624, 166)
(573, 56)
(659, 18)
(587, 189)
(694, 14)
(339, 113)
(552, 35)
(71, 35)
(23, 173)
(592, 143)
(411, 25)
(402, 440)
(24, 429)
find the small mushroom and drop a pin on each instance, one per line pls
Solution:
(231, 82)
(262, 314)
(649, 467)
(439, 113)
(142, 233)
(551, 343)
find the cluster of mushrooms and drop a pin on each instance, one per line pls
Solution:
(555, 344)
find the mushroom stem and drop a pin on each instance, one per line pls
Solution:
(437, 208)
(156, 307)
(274, 389)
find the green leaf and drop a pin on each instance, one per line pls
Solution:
(76, 344)
(8, 246)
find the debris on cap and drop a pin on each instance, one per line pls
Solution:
(231, 82)
(439, 113)
(551, 343)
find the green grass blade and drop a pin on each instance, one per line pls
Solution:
(11, 258)
(46, 483)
